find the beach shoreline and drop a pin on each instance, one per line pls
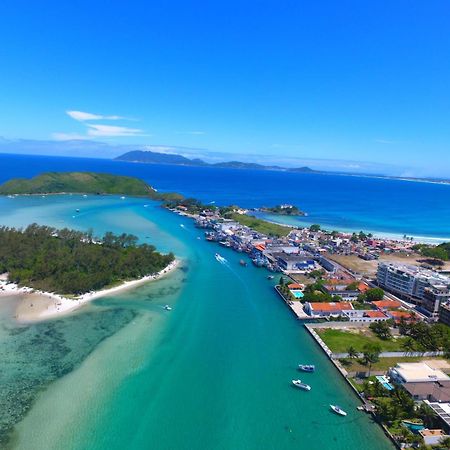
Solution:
(37, 306)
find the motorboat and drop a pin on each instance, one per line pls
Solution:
(270, 277)
(243, 263)
(306, 367)
(336, 409)
(299, 384)
(168, 308)
(219, 258)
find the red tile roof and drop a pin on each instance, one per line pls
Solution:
(333, 306)
(295, 286)
(385, 304)
(375, 314)
(363, 287)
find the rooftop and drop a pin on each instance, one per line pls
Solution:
(419, 372)
(332, 306)
(381, 304)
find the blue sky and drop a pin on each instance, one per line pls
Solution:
(324, 80)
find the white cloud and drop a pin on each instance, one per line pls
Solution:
(95, 130)
(68, 136)
(82, 116)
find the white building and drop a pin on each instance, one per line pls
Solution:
(416, 373)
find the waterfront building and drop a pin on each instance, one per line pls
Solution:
(417, 372)
(294, 262)
(324, 309)
(409, 281)
(432, 437)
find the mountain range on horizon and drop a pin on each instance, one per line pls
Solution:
(149, 157)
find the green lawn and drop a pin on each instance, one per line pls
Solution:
(339, 341)
(383, 364)
(261, 226)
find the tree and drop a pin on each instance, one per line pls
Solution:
(314, 227)
(444, 443)
(381, 329)
(371, 355)
(374, 294)
(352, 353)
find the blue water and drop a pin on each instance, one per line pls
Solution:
(334, 201)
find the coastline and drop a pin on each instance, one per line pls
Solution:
(37, 306)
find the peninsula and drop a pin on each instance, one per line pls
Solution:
(284, 210)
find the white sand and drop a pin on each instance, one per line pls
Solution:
(35, 306)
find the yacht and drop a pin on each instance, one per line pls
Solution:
(306, 367)
(299, 384)
(338, 410)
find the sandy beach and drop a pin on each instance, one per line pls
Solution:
(35, 306)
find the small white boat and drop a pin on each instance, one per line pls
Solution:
(306, 367)
(122, 198)
(336, 409)
(299, 384)
(220, 258)
(168, 308)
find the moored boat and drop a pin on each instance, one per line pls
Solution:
(242, 263)
(299, 384)
(336, 409)
(306, 367)
(167, 308)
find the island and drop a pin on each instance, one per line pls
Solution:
(284, 210)
(61, 269)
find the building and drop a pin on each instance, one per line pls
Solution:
(385, 305)
(444, 314)
(432, 437)
(442, 410)
(409, 281)
(418, 372)
(294, 262)
(434, 391)
(323, 309)
(399, 314)
(432, 300)
(365, 316)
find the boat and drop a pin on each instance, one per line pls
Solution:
(167, 308)
(336, 409)
(242, 263)
(122, 198)
(77, 210)
(220, 258)
(306, 367)
(270, 277)
(299, 384)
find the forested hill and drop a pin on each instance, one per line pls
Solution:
(72, 262)
(78, 182)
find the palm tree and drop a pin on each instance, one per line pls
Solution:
(371, 355)
(352, 353)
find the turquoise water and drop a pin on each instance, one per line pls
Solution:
(213, 373)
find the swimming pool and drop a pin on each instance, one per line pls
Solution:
(297, 294)
(385, 382)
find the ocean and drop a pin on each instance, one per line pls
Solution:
(349, 203)
(213, 373)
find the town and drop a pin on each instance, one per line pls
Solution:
(377, 307)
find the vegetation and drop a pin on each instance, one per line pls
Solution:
(371, 295)
(425, 337)
(72, 262)
(259, 225)
(339, 341)
(354, 363)
(284, 210)
(382, 329)
(314, 227)
(441, 251)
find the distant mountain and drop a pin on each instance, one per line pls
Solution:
(148, 157)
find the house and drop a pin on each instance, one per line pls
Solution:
(384, 305)
(418, 372)
(324, 309)
(432, 437)
(442, 410)
(397, 315)
(367, 316)
(294, 262)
